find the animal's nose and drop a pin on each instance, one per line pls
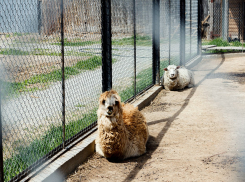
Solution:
(110, 108)
(172, 75)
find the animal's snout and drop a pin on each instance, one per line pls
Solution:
(110, 109)
(172, 75)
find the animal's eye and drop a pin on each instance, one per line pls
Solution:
(103, 102)
(116, 102)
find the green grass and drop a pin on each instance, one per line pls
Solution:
(41, 52)
(89, 64)
(77, 43)
(221, 43)
(143, 79)
(47, 78)
(13, 52)
(141, 40)
(53, 76)
(236, 43)
(221, 51)
(26, 155)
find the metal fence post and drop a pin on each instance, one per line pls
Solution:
(169, 29)
(63, 69)
(1, 141)
(182, 32)
(199, 28)
(106, 45)
(190, 27)
(156, 42)
(39, 11)
(225, 19)
(134, 21)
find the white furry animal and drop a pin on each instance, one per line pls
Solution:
(122, 128)
(177, 78)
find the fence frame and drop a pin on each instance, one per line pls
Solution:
(156, 42)
(106, 45)
(182, 32)
(1, 141)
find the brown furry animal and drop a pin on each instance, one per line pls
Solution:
(122, 128)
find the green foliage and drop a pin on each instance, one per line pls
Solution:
(26, 155)
(219, 42)
(89, 64)
(77, 43)
(236, 43)
(55, 75)
(13, 52)
(141, 40)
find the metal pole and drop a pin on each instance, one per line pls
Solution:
(63, 69)
(225, 19)
(199, 39)
(182, 32)
(134, 20)
(39, 11)
(1, 141)
(106, 45)
(156, 43)
(169, 30)
(239, 31)
(190, 26)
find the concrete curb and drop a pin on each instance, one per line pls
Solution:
(226, 55)
(66, 161)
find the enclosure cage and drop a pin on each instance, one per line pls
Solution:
(58, 56)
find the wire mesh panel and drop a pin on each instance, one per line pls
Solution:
(18, 16)
(52, 61)
(144, 44)
(191, 19)
(194, 28)
(217, 20)
(175, 33)
(236, 20)
(188, 29)
(165, 28)
(31, 95)
(123, 48)
(83, 61)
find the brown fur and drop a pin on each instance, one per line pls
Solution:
(123, 135)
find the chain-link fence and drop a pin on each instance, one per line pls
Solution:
(57, 56)
(225, 20)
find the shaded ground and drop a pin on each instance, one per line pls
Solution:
(195, 135)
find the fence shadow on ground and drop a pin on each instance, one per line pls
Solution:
(153, 142)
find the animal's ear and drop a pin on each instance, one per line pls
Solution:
(178, 67)
(165, 69)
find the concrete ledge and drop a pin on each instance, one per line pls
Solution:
(225, 48)
(226, 55)
(66, 161)
(146, 98)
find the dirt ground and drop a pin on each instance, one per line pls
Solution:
(195, 135)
